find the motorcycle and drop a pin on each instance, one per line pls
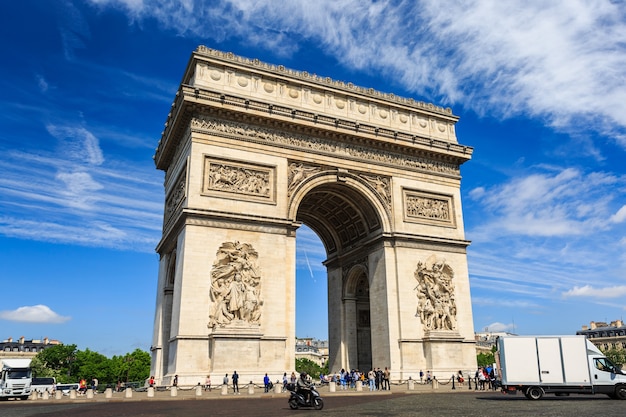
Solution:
(297, 400)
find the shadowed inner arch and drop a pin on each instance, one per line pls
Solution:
(340, 215)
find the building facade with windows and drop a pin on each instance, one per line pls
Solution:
(605, 335)
(24, 348)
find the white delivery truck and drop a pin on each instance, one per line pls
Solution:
(15, 378)
(560, 365)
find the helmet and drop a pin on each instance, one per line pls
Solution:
(303, 375)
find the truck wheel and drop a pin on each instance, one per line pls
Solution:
(620, 392)
(534, 393)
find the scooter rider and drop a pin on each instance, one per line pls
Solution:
(304, 387)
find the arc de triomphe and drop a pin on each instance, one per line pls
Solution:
(250, 152)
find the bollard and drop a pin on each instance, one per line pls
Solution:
(128, 393)
(34, 395)
(45, 395)
(150, 392)
(108, 393)
(359, 386)
(224, 389)
(278, 388)
(469, 382)
(250, 388)
(90, 394)
(332, 386)
(411, 384)
(198, 390)
(72, 394)
(58, 394)
(453, 387)
(435, 383)
(173, 391)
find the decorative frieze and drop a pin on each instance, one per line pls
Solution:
(176, 195)
(239, 180)
(421, 207)
(319, 145)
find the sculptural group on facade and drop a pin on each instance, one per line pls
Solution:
(436, 306)
(235, 286)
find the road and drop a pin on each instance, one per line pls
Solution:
(431, 404)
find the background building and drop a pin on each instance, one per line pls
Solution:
(312, 349)
(22, 348)
(606, 336)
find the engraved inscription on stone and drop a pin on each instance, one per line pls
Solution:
(235, 178)
(235, 286)
(428, 208)
(436, 306)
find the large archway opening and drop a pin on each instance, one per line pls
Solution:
(346, 222)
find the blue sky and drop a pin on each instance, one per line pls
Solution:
(540, 88)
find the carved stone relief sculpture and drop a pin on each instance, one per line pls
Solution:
(235, 286)
(436, 306)
(298, 172)
(382, 185)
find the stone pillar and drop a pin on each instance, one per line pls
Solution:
(411, 385)
(359, 386)
(108, 393)
(34, 395)
(173, 391)
(128, 393)
(45, 395)
(224, 389)
(150, 392)
(58, 394)
(278, 388)
(198, 390)
(90, 394)
(435, 383)
(332, 386)
(72, 394)
(250, 388)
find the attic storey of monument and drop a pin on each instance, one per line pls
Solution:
(250, 152)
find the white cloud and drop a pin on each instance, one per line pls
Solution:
(499, 327)
(591, 292)
(563, 62)
(620, 216)
(552, 202)
(33, 314)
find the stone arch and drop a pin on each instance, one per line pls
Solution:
(354, 204)
(250, 151)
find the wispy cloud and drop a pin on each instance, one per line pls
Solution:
(601, 293)
(71, 194)
(33, 314)
(562, 62)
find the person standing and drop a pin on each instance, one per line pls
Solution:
(371, 376)
(235, 383)
(266, 383)
(225, 380)
(175, 383)
(151, 381)
(207, 383)
(386, 375)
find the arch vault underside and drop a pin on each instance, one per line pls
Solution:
(250, 152)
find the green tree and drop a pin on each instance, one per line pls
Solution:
(133, 366)
(56, 361)
(485, 359)
(310, 367)
(617, 356)
(90, 364)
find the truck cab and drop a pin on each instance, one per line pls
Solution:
(15, 378)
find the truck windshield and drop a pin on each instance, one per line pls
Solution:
(18, 374)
